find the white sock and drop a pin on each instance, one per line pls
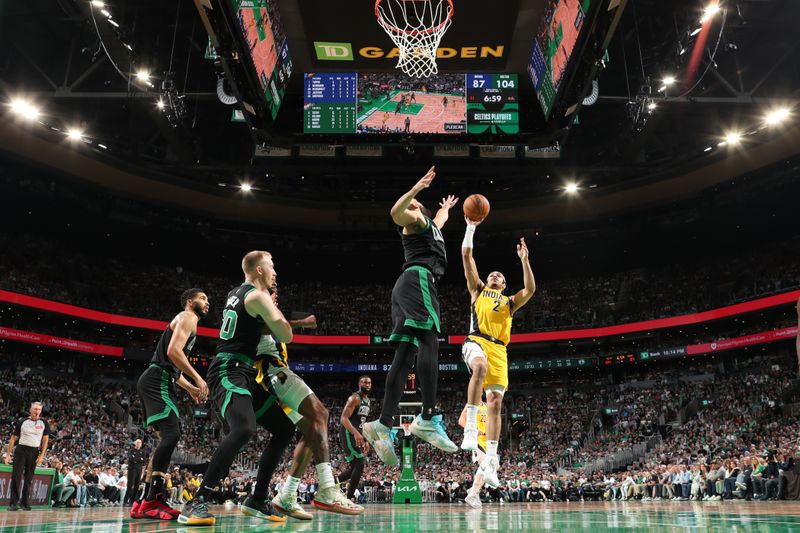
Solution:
(325, 475)
(472, 418)
(491, 448)
(290, 487)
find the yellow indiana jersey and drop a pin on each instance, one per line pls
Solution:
(483, 415)
(491, 316)
(269, 347)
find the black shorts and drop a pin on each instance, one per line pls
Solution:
(156, 388)
(351, 450)
(230, 374)
(415, 306)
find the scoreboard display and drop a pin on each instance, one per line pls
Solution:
(329, 103)
(492, 103)
(391, 103)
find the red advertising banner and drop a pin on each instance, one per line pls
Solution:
(740, 342)
(59, 342)
(144, 323)
(647, 325)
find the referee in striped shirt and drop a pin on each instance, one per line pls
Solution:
(30, 437)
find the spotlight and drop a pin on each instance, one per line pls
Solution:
(142, 75)
(668, 80)
(25, 109)
(246, 187)
(98, 4)
(776, 116)
(712, 9)
(652, 106)
(571, 187)
(160, 104)
(695, 32)
(106, 13)
(113, 22)
(733, 138)
(708, 148)
(74, 134)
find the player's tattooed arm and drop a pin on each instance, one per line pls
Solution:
(406, 211)
(526, 293)
(185, 325)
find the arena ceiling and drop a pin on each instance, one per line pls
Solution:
(54, 54)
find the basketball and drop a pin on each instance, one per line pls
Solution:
(476, 207)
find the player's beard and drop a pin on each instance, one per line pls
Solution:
(199, 310)
(364, 391)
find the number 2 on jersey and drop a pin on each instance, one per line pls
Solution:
(228, 329)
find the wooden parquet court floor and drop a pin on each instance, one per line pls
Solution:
(773, 517)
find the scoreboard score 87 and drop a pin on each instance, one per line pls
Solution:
(492, 103)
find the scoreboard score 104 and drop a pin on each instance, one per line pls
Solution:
(492, 103)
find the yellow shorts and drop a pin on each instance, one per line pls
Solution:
(496, 358)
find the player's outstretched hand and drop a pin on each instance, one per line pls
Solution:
(472, 222)
(449, 202)
(426, 180)
(522, 250)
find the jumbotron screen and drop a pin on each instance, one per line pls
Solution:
(261, 25)
(552, 49)
(393, 103)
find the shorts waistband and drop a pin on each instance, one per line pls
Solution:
(487, 338)
(237, 357)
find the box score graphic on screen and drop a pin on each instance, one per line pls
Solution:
(492, 103)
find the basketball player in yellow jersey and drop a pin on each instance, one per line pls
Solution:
(484, 350)
(473, 498)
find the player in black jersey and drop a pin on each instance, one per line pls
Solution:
(415, 315)
(231, 374)
(354, 414)
(157, 393)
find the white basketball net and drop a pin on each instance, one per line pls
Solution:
(416, 28)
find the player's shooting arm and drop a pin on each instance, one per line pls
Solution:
(444, 210)
(259, 303)
(347, 412)
(401, 213)
(184, 326)
(526, 293)
(474, 283)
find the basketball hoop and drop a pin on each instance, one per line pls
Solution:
(416, 27)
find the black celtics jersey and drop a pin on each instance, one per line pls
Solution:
(160, 355)
(240, 332)
(361, 413)
(426, 249)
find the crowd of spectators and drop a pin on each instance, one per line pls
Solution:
(346, 309)
(740, 444)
